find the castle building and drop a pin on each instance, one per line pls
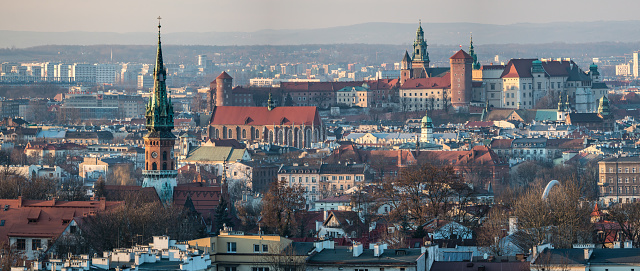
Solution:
(428, 88)
(160, 169)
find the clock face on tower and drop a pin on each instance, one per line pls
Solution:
(154, 155)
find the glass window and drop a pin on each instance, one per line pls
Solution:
(231, 247)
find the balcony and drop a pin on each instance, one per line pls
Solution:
(160, 173)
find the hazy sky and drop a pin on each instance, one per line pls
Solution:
(253, 15)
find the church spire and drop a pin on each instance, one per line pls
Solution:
(159, 114)
(472, 53)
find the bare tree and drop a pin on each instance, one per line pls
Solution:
(283, 207)
(627, 216)
(282, 257)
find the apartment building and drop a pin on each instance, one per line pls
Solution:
(618, 179)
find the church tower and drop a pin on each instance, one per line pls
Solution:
(426, 131)
(420, 54)
(160, 169)
(406, 71)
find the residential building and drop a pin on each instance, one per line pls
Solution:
(33, 226)
(237, 251)
(376, 257)
(619, 179)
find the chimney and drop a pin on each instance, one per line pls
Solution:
(357, 249)
(513, 225)
(587, 253)
(628, 244)
(19, 201)
(103, 203)
(378, 249)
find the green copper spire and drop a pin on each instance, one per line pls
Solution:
(420, 46)
(159, 114)
(472, 53)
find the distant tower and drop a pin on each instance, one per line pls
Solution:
(406, 71)
(160, 172)
(223, 89)
(420, 55)
(594, 73)
(461, 79)
(187, 141)
(472, 53)
(561, 109)
(202, 61)
(426, 131)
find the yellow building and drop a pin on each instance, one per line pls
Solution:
(235, 251)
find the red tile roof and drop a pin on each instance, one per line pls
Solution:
(224, 75)
(461, 55)
(44, 218)
(501, 143)
(428, 83)
(205, 198)
(253, 115)
(517, 68)
(479, 155)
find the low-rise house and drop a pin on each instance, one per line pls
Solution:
(57, 152)
(585, 257)
(377, 257)
(338, 224)
(236, 251)
(33, 225)
(256, 175)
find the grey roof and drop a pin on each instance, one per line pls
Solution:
(599, 256)
(474, 266)
(345, 257)
(529, 142)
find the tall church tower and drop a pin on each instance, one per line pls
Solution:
(420, 54)
(160, 169)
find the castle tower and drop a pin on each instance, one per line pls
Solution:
(420, 54)
(406, 70)
(426, 129)
(223, 89)
(160, 169)
(461, 79)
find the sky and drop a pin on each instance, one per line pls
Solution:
(252, 15)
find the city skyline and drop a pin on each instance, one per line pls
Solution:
(254, 15)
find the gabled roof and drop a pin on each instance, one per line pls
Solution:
(285, 115)
(518, 68)
(44, 218)
(205, 199)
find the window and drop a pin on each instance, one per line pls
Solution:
(230, 268)
(72, 229)
(259, 268)
(21, 244)
(265, 248)
(256, 248)
(2, 222)
(36, 244)
(231, 247)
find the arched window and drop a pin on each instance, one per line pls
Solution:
(244, 133)
(171, 165)
(230, 133)
(146, 166)
(164, 166)
(164, 155)
(154, 166)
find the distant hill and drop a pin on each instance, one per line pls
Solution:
(370, 33)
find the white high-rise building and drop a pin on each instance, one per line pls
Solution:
(105, 73)
(84, 73)
(635, 64)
